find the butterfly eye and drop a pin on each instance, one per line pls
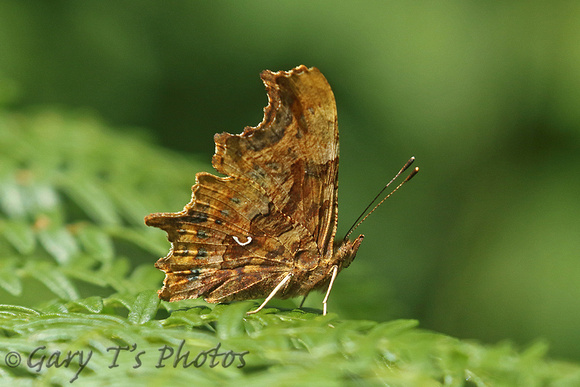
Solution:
(242, 243)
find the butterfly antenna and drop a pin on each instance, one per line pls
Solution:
(358, 221)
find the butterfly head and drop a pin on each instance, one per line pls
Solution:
(345, 251)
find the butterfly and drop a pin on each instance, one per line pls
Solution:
(268, 227)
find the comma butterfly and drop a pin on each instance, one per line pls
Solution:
(266, 229)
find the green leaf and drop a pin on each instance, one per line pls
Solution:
(144, 308)
(12, 200)
(59, 243)
(91, 304)
(156, 243)
(92, 200)
(125, 300)
(96, 242)
(17, 310)
(231, 320)
(9, 278)
(20, 235)
(10, 282)
(128, 204)
(55, 281)
(189, 317)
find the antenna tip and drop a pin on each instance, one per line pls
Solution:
(412, 174)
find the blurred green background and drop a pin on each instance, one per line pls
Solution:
(483, 244)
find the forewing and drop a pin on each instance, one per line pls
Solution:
(293, 153)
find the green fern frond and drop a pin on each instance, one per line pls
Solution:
(77, 279)
(72, 199)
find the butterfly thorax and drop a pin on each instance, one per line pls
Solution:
(316, 277)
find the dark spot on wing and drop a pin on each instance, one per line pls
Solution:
(196, 217)
(194, 274)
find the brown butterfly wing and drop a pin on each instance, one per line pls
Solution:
(280, 192)
(293, 153)
(205, 258)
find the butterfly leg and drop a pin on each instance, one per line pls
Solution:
(334, 273)
(303, 299)
(272, 294)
